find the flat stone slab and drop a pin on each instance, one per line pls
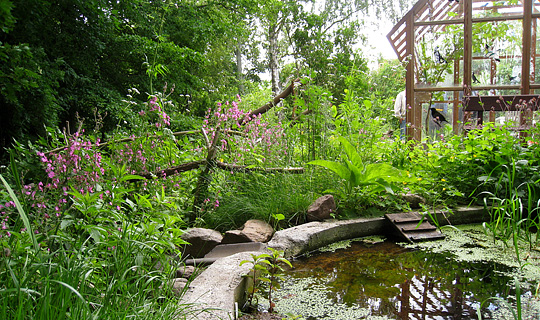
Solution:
(225, 250)
(213, 294)
(314, 235)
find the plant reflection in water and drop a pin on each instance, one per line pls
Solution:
(387, 280)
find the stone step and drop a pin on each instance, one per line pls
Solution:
(225, 250)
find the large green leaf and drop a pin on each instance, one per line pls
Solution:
(356, 174)
(341, 170)
(381, 171)
(351, 152)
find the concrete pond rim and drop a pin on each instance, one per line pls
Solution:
(221, 287)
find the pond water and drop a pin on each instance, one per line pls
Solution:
(387, 281)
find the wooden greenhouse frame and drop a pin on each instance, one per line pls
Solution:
(431, 20)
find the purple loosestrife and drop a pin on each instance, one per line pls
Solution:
(261, 138)
(78, 166)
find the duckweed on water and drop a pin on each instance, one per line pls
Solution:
(469, 243)
(308, 297)
(347, 243)
(386, 281)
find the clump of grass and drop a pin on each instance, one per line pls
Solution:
(92, 274)
(261, 196)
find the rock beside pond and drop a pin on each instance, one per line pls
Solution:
(414, 200)
(201, 242)
(185, 272)
(252, 231)
(178, 285)
(321, 209)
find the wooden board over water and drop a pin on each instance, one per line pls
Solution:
(411, 227)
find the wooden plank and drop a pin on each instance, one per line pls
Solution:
(407, 226)
(404, 217)
(507, 103)
(423, 227)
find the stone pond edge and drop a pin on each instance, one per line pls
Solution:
(213, 294)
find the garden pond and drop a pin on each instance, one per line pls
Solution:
(448, 279)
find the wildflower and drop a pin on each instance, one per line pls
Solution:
(419, 179)
(443, 180)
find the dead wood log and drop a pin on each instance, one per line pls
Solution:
(172, 170)
(238, 168)
(304, 113)
(221, 165)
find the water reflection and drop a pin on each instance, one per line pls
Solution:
(389, 280)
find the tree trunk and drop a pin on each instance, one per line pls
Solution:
(239, 67)
(273, 51)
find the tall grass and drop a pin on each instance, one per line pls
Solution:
(76, 277)
(513, 209)
(245, 196)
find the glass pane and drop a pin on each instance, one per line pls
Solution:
(535, 65)
(439, 53)
(536, 6)
(482, 9)
(440, 10)
(497, 53)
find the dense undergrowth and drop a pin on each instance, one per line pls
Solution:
(88, 225)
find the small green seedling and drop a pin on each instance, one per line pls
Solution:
(267, 269)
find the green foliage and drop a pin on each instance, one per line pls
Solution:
(6, 18)
(263, 196)
(79, 269)
(376, 178)
(27, 92)
(267, 271)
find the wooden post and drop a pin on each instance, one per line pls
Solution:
(527, 37)
(455, 104)
(409, 80)
(526, 76)
(533, 52)
(467, 43)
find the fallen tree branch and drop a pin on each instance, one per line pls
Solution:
(172, 170)
(221, 165)
(176, 134)
(271, 104)
(238, 168)
(304, 113)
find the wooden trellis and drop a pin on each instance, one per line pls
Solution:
(431, 18)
